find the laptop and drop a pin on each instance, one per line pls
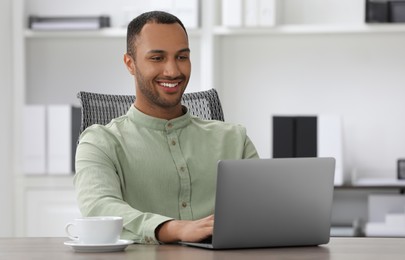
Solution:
(272, 203)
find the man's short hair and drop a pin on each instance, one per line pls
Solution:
(136, 25)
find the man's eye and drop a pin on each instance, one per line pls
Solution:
(182, 57)
(156, 58)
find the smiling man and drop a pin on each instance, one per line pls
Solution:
(159, 58)
(156, 166)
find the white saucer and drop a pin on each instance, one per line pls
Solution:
(99, 248)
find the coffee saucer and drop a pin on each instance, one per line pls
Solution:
(99, 248)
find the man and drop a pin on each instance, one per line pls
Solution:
(156, 165)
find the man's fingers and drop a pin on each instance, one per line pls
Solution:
(210, 217)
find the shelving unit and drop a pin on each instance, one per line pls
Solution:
(217, 62)
(226, 31)
(310, 29)
(102, 33)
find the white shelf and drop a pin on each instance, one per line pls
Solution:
(45, 181)
(379, 182)
(226, 31)
(342, 232)
(311, 29)
(384, 230)
(102, 33)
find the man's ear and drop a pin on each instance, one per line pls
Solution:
(129, 63)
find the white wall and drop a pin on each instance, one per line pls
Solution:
(6, 175)
(58, 68)
(358, 76)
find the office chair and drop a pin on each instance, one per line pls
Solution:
(102, 108)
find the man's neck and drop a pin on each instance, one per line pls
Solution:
(160, 112)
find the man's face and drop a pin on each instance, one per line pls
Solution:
(161, 65)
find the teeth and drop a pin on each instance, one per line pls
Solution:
(169, 85)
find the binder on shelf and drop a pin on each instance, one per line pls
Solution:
(377, 11)
(397, 11)
(232, 13)
(63, 126)
(385, 11)
(59, 143)
(330, 143)
(268, 12)
(294, 136)
(283, 137)
(251, 13)
(187, 12)
(46, 23)
(34, 140)
(76, 121)
(306, 142)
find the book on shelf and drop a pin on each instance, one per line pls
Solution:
(268, 12)
(250, 13)
(232, 13)
(34, 140)
(63, 124)
(385, 11)
(187, 12)
(48, 23)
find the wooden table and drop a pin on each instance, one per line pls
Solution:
(338, 248)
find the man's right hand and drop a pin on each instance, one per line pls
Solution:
(185, 230)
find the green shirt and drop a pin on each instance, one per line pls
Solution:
(150, 170)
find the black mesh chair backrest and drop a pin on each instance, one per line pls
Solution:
(102, 108)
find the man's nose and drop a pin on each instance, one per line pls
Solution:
(171, 69)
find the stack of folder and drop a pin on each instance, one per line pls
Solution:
(68, 22)
(50, 135)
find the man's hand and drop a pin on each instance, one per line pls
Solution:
(185, 230)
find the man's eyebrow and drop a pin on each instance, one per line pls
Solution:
(162, 51)
(185, 50)
(156, 51)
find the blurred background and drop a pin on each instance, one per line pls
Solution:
(342, 60)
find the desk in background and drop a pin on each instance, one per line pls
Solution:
(338, 248)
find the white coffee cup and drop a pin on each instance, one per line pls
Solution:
(95, 230)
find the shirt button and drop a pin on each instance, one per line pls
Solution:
(173, 142)
(169, 125)
(182, 168)
(184, 204)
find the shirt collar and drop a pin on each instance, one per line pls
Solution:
(140, 118)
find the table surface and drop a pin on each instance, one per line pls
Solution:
(338, 248)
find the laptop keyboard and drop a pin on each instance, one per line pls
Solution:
(207, 240)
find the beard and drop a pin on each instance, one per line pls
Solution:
(149, 91)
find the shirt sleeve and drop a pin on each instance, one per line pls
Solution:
(98, 189)
(250, 150)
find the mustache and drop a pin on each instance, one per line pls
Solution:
(180, 77)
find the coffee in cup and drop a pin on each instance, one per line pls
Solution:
(95, 230)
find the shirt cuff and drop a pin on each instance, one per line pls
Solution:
(149, 235)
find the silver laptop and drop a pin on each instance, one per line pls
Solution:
(272, 203)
